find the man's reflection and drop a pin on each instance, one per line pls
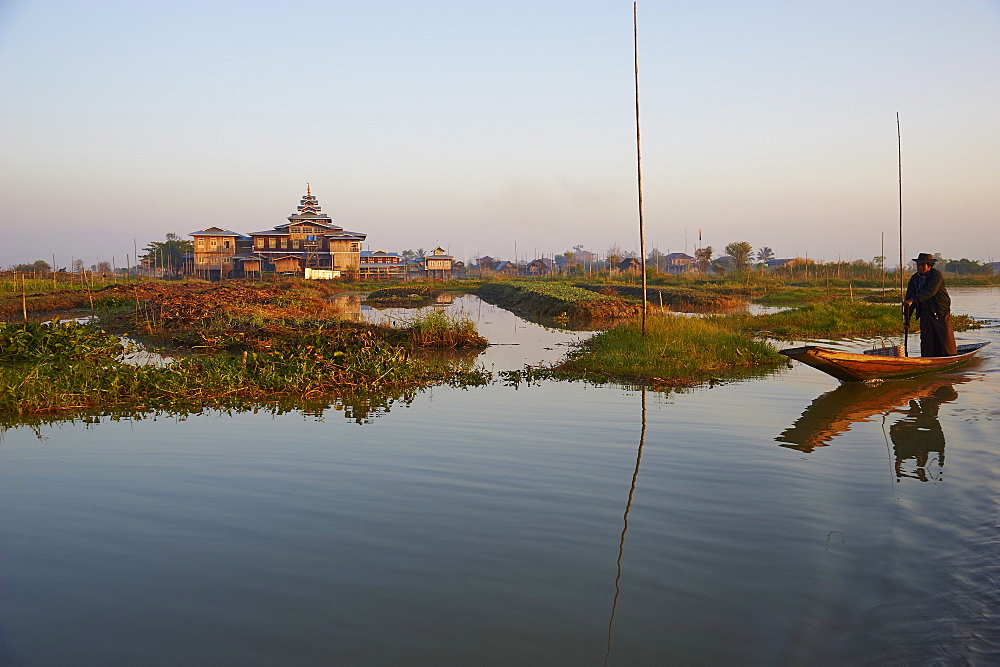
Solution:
(918, 435)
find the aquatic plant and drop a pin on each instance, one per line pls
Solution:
(549, 299)
(410, 295)
(436, 329)
(58, 340)
(834, 320)
(676, 351)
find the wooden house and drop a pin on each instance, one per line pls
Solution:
(629, 264)
(505, 268)
(538, 268)
(215, 250)
(438, 264)
(381, 265)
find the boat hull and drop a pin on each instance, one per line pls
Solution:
(853, 367)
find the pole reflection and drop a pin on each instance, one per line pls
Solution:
(916, 435)
(621, 543)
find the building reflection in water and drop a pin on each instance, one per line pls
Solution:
(917, 437)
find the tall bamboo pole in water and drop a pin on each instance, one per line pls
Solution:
(902, 274)
(638, 164)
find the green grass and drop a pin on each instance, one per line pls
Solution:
(837, 319)
(435, 329)
(675, 351)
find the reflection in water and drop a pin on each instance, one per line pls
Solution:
(916, 435)
(358, 407)
(348, 305)
(621, 543)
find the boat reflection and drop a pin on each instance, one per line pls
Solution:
(916, 435)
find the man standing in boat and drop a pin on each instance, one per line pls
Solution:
(926, 294)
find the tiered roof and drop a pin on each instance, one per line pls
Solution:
(309, 211)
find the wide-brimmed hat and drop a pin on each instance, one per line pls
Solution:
(924, 258)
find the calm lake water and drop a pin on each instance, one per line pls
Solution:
(784, 520)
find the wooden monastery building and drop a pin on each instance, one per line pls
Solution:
(309, 240)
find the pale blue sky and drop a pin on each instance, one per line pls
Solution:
(478, 125)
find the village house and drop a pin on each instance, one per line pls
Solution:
(215, 250)
(629, 264)
(505, 268)
(678, 262)
(381, 265)
(538, 268)
(438, 264)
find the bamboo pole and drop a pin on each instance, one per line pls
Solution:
(24, 299)
(90, 293)
(638, 163)
(902, 275)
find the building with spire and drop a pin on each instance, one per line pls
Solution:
(309, 239)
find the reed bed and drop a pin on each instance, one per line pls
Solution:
(220, 380)
(676, 351)
(838, 319)
(436, 329)
(410, 295)
(547, 299)
(684, 299)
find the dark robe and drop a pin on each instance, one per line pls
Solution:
(933, 307)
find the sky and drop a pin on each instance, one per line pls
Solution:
(492, 128)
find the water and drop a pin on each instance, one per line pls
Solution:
(781, 520)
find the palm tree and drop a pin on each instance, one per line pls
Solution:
(765, 255)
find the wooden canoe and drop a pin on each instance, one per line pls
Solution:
(854, 367)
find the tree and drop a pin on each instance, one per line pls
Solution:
(739, 251)
(169, 253)
(420, 253)
(614, 255)
(655, 258)
(967, 266)
(77, 265)
(879, 261)
(764, 255)
(39, 265)
(704, 257)
(408, 255)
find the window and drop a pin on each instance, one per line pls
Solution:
(284, 243)
(226, 243)
(274, 243)
(201, 243)
(295, 244)
(214, 243)
(259, 242)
